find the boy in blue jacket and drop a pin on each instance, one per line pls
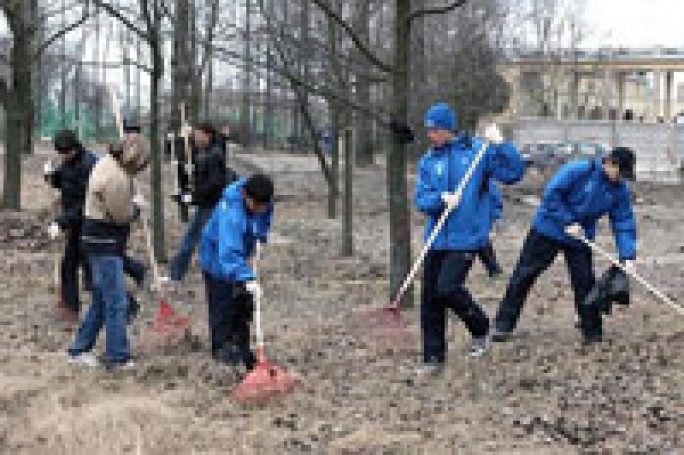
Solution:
(487, 255)
(242, 218)
(466, 231)
(574, 200)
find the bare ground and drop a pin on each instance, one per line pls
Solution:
(540, 393)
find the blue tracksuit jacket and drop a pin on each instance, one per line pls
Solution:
(581, 193)
(440, 170)
(230, 236)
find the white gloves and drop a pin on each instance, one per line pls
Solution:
(254, 288)
(48, 169)
(186, 131)
(629, 264)
(53, 231)
(493, 135)
(186, 198)
(139, 200)
(574, 230)
(449, 199)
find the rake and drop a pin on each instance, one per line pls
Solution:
(266, 381)
(388, 322)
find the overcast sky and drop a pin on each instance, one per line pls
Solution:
(630, 23)
(636, 23)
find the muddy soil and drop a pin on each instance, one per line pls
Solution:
(540, 393)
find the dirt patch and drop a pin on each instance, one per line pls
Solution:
(541, 393)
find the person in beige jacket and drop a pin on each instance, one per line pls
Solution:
(109, 212)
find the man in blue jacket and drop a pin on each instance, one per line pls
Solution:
(466, 230)
(574, 200)
(242, 218)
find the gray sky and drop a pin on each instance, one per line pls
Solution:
(636, 23)
(629, 23)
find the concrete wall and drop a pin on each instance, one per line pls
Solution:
(659, 147)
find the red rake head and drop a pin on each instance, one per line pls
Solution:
(389, 317)
(166, 318)
(387, 327)
(264, 383)
(167, 328)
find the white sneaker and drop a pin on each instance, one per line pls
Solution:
(123, 367)
(430, 370)
(479, 346)
(85, 360)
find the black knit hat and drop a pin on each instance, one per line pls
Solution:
(625, 158)
(260, 188)
(65, 141)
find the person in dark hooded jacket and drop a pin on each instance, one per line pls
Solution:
(209, 181)
(71, 179)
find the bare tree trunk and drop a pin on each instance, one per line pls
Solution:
(195, 75)
(334, 109)
(348, 220)
(364, 131)
(208, 89)
(333, 187)
(304, 64)
(400, 222)
(18, 106)
(156, 152)
(181, 75)
(180, 61)
(245, 115)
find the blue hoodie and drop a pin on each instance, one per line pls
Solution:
(442, 169)
(496, 202)
(230, 236)
(581, 193)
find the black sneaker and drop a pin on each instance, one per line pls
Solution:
(588, 340)
(133, 309)
(499, 335)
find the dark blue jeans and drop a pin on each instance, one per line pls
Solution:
(538, 253)
(108, 308)
(180, 263)
(444, 279)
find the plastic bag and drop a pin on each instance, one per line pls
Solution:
(612, 287)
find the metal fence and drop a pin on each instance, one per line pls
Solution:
(659, 147)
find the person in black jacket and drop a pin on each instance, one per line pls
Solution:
(209, 181)
(71, 179)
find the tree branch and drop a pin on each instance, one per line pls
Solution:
(47, 43)
(112, 11)
(436, 10)
(137, 64)
(360, 44)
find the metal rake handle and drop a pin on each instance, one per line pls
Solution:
(440, 223)
(641, 280)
